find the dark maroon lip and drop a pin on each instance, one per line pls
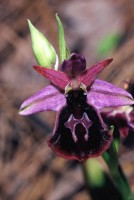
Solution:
(79, 132)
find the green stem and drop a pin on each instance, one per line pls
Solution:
(98, 180)
(118, 178)
(121, 183)
(117, 175)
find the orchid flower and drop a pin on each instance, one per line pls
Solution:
(121, 117)
(78, 97)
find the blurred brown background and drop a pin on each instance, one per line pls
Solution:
(29, 170)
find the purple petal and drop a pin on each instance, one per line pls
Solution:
(58, 78)
(49, 98)
(90, 74)
(103, 94)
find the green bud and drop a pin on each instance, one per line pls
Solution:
(63, 49)
(43, 50)
(108, 43)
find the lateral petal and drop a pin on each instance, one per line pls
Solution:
(49, 98)
(58, 78)
(90, 74)
(103, 94)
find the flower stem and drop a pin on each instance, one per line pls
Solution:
(117, 175)
(98, 183)
(95, 177)
(121, 183)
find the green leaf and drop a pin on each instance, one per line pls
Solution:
(63, 49)
(108, 43)
(43, 50)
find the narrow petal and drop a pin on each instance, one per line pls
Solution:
(49, 98)
(90, 74)
(58, 78)
(103, 94)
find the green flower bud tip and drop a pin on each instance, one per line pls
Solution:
(44, 52)
(63, 49)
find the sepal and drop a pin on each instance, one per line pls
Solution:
(49, 98)
(103, 95)
(43, 50)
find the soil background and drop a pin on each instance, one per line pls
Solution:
(29, 170)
